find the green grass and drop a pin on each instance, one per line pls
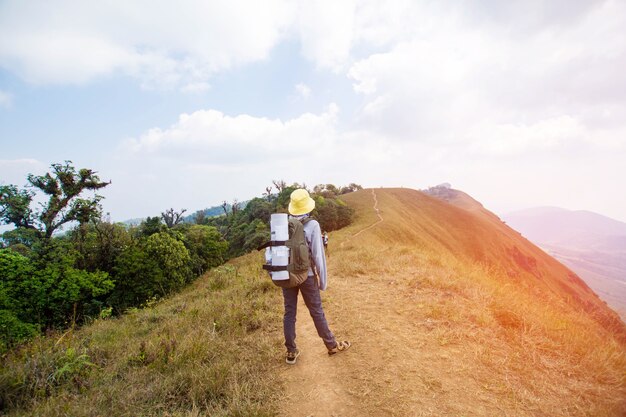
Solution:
(211, 350)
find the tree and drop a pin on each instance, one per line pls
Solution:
(99, 244)
(279, 184)
(258, 208)
(173, 259)
(150, 226)
(63, 187)
(15, 206)
(172, 218)
(206, 247)
(268, 193)
(234, 208)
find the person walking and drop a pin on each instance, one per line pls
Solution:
(300, 207)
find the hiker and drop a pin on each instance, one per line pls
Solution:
(325, 240)
(300, 207)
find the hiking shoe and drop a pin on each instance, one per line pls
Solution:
(292, 356)
(340, 347)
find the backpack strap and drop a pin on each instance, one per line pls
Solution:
(273, 243)
(273, 268)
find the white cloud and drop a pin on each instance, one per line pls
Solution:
(325, 30)
(6, 99)
(211, 137)
(461, 77)
(511, 139)
(303, 90)
(163, 46)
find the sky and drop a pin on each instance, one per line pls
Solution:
(187, 104)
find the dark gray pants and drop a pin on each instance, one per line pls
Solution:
(313, 301)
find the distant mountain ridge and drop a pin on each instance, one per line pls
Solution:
(578, 229)
(593, 245)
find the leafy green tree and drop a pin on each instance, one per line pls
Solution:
(257, 233)
(14, 327)
(150, 226)
(282, 200)
(59, 291)
(207, 248)
(200, 217)
(49, 290)
(173, 259)
(63, 187)
(15, 206)
(345, 214)
(99, 244)
(350, 188)
(326, 213)
(258, 208)
(137, 276)
(20, 239)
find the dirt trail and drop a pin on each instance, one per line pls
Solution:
(423, 342)
(401, 363)
(380, 218)
(317, 383)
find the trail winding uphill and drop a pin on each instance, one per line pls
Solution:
(434, 335)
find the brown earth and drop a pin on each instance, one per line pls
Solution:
(451, 313)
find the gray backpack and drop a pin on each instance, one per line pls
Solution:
(299, 258)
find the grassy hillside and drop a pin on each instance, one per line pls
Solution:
(450, 314)
(206, 351)
(445, 324)
(492, 242)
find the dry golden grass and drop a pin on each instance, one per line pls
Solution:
(443, 334)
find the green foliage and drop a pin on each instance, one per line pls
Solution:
(95, 269)
(158, 260)
(47, 292)
(247, 229)
(63, 188)
(258, 208)
(151, 226)
(332, 214)
(206, 247)
(136, 277)
(173, 259)
(15, 206)
(99, 244)
(72, 365)
(20, 239)
(13, 330)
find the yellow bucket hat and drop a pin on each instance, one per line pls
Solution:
(301, 202)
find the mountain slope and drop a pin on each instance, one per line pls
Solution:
(592, 245)
(447, 319)
(483, 237)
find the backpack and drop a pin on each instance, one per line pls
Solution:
(299, 258)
